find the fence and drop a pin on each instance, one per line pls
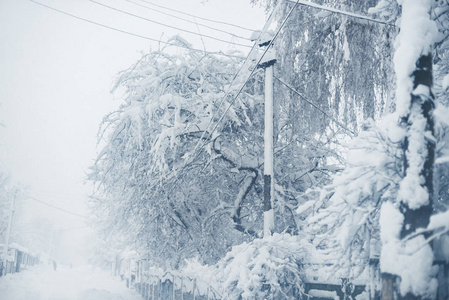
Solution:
(170, 286)
(18, 259)
(156, 284)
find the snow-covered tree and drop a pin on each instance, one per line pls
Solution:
(344, 219)
(343, 222)
(342, 71)
(179, 188)
(341, 64)
(173, 187)
(414, 204)
(165, 180)
(6, 195)
(390, 165)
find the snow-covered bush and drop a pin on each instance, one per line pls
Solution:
(263, 269)
(344, 219)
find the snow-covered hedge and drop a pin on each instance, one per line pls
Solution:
(261, 269)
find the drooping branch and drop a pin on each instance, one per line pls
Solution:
(248, 184)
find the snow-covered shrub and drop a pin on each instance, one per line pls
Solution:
(344, 219)
(201, 277)
(263, 269)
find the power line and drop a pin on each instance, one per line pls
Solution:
(54, 194)
(254, 69)
(167, 25)
(223, 99)
(265, 28)
(297, 2)
(198, 17)
(189, 21)
(130, 33)
(252, 72)
(246, 81)
(314, 105)
(74, 228)
(338, 11)
(55, 207)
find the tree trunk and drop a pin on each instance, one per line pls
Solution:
(416, 190)
(419, 218)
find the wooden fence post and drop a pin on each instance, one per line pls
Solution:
(160, 289)
(152, 291)
(182, 292)
(173, 286)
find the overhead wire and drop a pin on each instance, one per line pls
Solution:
(189, 21)
(175, 174)
(315, 106)
(341, 12)
(198, 17)
(219, 105)
(296, 3)
(131, 33)
(249, 76)
(55, 207)
(54, 194)
(223, 99)
(74, 228)
(168, 25)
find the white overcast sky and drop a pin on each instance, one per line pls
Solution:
(55, 77)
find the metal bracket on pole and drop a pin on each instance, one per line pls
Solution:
(264, 39)
(268, 59)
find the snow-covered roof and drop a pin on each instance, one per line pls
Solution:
(17, 247)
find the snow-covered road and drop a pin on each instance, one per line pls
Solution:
(82, 283)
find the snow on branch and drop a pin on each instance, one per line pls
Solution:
(347, 211)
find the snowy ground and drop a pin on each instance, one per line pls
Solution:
(82, 283)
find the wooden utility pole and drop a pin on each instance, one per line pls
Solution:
(8, 233)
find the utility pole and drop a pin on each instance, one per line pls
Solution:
(267, 63)
(51, 243)
(8, 233)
